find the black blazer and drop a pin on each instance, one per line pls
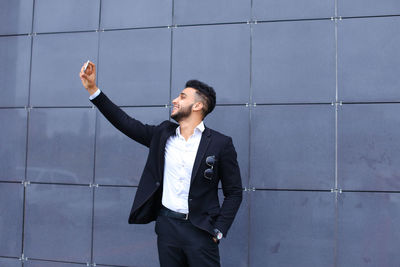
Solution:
(204, 209)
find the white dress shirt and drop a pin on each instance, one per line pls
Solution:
(179, 160)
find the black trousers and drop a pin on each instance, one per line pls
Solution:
(180, 244)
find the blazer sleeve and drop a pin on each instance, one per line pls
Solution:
(131, 127)
(231, 187)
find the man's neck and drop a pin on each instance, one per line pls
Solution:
(187, 127)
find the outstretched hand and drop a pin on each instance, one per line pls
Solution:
(88, 77)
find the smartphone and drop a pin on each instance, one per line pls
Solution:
(86, 65)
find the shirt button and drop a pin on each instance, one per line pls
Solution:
(158, 184)
(190, 199)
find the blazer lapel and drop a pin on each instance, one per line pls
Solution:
(204, 142)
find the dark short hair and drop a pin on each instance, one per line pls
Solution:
(206, 92)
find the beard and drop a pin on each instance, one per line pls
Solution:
(182, 114)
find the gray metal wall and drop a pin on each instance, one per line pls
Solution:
(309, 90)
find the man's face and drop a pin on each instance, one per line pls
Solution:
(182, 105)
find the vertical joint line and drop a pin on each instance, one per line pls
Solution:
(250, 64)
(92, 233)
(336, 231)
(173, 13)
(336, 8)
(31, 36)
(337, 100)
(170, 68)
(33, 14)
(336, 136)
(250, 101)
(23, 222)
(94, 145)
(30, 62)
(95, 134)
(249, 124)
(98, 26)
(170, 56)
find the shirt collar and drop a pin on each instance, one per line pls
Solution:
(200, 128)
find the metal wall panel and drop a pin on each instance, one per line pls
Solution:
(119, 159)
(293, 147)
(294, 62)
(14, 70)
(62, 16)
(11, 210)
(10, 262)
(293, 9)
(135, 66)
(56, 138)
(58, 222)
(369, 147)
(217, 55)
(368, 59)
(209, 11)
(115, 241)
(13, 144)
(368, 229)
(56, 62)
(138, 13)
(292, 229)
(368, 7)
(16, 16)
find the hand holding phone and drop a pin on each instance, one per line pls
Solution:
(88, 78)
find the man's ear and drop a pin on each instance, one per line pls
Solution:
(198, 106)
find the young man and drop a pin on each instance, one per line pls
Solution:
(179, 185)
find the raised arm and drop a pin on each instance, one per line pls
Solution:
(131, 127)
